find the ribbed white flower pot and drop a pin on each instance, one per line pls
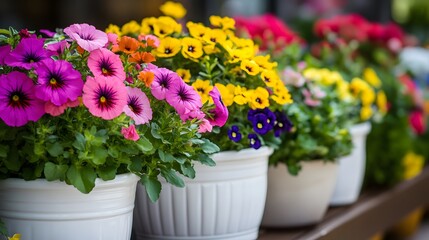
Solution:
(352, 168)
(42, 210)
(299, 200)
(223, 202)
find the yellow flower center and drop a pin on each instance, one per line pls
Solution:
(53, 81)
(15, 98)
(280, 125)
(259, 125)
(233, 134)
(102, 99)
(252, 141)
(104, 71)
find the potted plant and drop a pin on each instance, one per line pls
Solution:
(226, 201)
(81, 123)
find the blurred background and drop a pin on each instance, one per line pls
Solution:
(413, 15)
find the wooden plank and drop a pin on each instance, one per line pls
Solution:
(376, 210)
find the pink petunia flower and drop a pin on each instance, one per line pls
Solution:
(27, 54)
(58, 82)
(138, 106)
(183, 98)
(58, 47)
(309, 99)
(112, 39)
(219, 115)
(205, 126)
(18, 104)
(103, 62)
(130, 133)
(163, 81)
(103, 97)
(55, 110)
(87, 36)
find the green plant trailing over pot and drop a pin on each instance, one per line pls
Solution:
(319, 119)
(80, 104)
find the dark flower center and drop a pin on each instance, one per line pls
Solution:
(18, 99)
(167, 51)
(87, 37)
(184, 94)
(55, 80)
(105, 97)
(106, 67)
(165, 80)
(191, 49)
(31, 57)
(258, 100)
(134, 105)
(201, 90)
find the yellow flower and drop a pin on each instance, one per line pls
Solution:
(196, 30)
(382, 102)
(412, 164)
(312, 74)
(332, 78)
(281, 95)
(357, 85)
(327, 77)
(371, 77)
(270, 77)
(203, 88)
(112, 28)
(227, 93)
(15, 237)
(264, 62)
(250, 67)
(192, 48)
(213, 36)
(147, 25)
(367, 96)
(365, 113)
(240, 96)
(165, 26)
(168, 47)
(258, 98)
(131, 27)
(185, 74)
(222, 22)
(173, 9)
(343, 90)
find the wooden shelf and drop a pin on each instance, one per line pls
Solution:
(375, 210)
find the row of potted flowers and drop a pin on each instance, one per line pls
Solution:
(149, 101)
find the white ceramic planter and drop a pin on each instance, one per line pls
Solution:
(301, 200)
(223, 202)
(42, 210)
(352, 168)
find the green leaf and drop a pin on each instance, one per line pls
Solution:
(55, 149)
(13, 161)
(4, 149)
(79, 142)
(3, 229)
(136, 165)
(197, 141)
(144, 144)
(209, 147)
(55, 172)
(206, 160)
(171, 177)
(98, 155)
(153, 187)
(33, 172)
(155, 131)
(83, 178)
(165, 157)
(188, 170)
(107, 172)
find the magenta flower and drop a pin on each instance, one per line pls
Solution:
(183, 98)
(130, 133)
(4, 51)
(47, 32)
(163, 81)
(18, 105)
(87, 36)
(27, 54)
(58, 82)
(192, 114)
(103, 97)
(58, 47)
(103, 62)
(138, 106)
(219, 115)
(205, 126)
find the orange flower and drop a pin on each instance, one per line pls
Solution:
(127, 45)
(146, 77)
(141, 57)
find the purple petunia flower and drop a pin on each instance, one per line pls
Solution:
(254, 141)
(47, 32)
(103, 62)
(138, 106)
(58, 47)
(27, 54)
(164, 79)
(234, 133)
(87, 36)
(4, 51)
(282, 124)
(58, 82)
(219, 115)
(183, 98)
(18, 105)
